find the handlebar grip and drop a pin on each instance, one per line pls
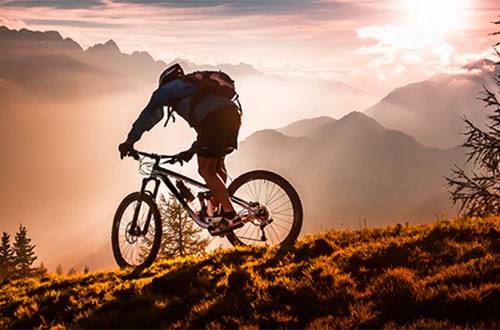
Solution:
(173, 160)
(134, 154)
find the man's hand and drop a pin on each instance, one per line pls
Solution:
(126, 149)
(185, 156)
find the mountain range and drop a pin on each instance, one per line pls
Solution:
(432, 111)
(354, 168)
(63, 111)
(51, 66)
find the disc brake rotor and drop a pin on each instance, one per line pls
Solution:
(131, 238)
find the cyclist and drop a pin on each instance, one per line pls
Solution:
(216, 119)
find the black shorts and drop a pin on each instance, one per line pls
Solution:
(218, 133)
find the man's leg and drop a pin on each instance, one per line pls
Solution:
(209, 169)
(222, 173)
(221, 170)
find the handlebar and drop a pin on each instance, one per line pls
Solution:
(171, 159)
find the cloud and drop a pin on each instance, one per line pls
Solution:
(61, 4)
(398, 37)
(302, 35)
(335, 9)
(262, 31)
(327, 9)
(402, 47)
(80, 23)
(12, 23)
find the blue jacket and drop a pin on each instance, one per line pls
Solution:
(177, 94)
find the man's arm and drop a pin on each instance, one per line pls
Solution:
(166, 95)
(148, 118)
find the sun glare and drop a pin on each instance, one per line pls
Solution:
(438, 15)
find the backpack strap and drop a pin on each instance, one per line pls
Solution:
(199, 79)
(236, 99)
(170, 114)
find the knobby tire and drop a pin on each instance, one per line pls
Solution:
(252, 177)
(117, 225)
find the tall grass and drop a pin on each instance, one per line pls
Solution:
(443, 275)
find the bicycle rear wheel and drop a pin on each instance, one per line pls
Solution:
(136, 247)
(277, 203)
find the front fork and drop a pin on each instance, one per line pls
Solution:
(135, 230)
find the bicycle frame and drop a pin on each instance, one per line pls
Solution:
(162, 174)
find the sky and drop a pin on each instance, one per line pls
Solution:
(371, 45)
(391, 42)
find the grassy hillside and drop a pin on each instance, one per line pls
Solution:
(444, 275)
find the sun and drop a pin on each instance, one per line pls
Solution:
(437, 15)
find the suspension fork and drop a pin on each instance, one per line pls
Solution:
(134, 229)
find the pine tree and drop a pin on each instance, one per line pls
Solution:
(59, 270)
(24, 252)
(180, 235)
(6, 257)
(72, 271)
(86, 269)
(478, 193)
(40, 271)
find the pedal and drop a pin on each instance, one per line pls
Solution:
(225, 231)
(210, 229)
(212, 222)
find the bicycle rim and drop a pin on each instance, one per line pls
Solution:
(136, 250)
(280, 200)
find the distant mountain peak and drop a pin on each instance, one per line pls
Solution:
(111, 43)
(108, 46)
(306, 126)
(354, 123)
(431, 110)
(51, 41)
(480, 64)
(26, 34)
(142, 55)
(269, 133)
(240, 68)
(359, 118)
(354, 114)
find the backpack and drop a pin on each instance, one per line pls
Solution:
(209, 82)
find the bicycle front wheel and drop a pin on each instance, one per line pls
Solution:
(136, 246)
(275, 214)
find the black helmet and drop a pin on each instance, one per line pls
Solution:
(171, 73)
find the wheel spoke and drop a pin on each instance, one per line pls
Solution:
(282, 220)
(280, 226)
(272, 195)
(130, 249)
(276, 199)
(246, 229)
(267, 192)
(284, 212)
(260, 188)
(254, 229)
(281, 205)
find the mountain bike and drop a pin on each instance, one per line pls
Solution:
(267, 203)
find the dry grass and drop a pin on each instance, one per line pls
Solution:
(444, 275)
